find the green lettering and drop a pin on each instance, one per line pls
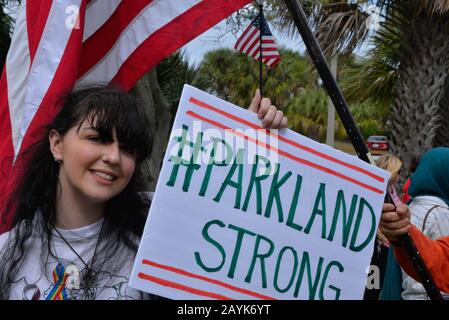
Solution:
(206, 236)
(294, 204)
(347, 220)
(191, 165)
(255, 181)
(326, 273)
(363, 203)
(261, 257)
(177, 160)
(238, 244)
(212, 162)
(278, 267)
(274, 193)
(238, 163)
(320, 201)
(312, 283)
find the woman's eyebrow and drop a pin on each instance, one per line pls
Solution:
(89, 128)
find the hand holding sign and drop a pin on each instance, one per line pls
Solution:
(242, 212)
(271, 117)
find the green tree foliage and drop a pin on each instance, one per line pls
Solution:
(6, 23)
(235, 77)
(292, 86)
(407, 68)
(172, 73)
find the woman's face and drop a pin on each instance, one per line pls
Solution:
(91, 169)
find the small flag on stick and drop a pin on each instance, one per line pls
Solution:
(250, 42)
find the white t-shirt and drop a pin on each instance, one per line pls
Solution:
(38, 274)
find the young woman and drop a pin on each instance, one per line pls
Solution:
(78, 214)
(429, 207)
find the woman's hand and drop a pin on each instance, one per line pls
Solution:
(393, 224)
(271, 117)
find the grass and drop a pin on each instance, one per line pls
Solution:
(345, 146)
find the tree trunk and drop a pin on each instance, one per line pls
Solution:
(416, 116)
(442, 135)
(148, 93)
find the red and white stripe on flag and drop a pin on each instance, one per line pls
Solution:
(60, 44)
(251, 44)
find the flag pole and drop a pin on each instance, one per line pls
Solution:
(260, 49)
(315, 52)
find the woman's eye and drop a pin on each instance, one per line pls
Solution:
(93, 138)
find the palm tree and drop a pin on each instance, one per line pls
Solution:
(292, 86)
(159, 91)
(234, 76)
(413, 70)
(5, 32)
(417, 113)
(172, 73)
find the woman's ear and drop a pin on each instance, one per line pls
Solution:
(55, 140)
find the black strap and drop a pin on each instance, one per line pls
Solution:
(427, 215)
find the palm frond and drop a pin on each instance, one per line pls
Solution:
(338, 24)
(437, 6)
(342, 32)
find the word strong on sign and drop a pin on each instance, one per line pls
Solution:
(241, 212)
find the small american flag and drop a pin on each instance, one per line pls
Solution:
(249, 42)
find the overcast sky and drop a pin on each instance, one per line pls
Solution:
(196, 49)
(207, 41)
(211, 40)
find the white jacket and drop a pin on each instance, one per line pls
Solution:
(430, 215)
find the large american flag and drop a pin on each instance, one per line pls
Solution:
(58, 45)
(249, 42)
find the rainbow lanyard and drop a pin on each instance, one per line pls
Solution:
(59, 291)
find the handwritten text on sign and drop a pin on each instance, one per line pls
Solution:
(245, 213)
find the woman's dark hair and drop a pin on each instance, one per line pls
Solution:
(107, 109)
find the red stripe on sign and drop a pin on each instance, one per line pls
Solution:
(283, 153)
(196, 276)
(186, 26)
(36, 13)
(182, 287)
(283, 139)
(99, 44)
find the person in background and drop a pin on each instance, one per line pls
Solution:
(429, 207)
(395, 223)
(392, 164)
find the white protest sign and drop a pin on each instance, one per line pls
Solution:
(245, 213)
